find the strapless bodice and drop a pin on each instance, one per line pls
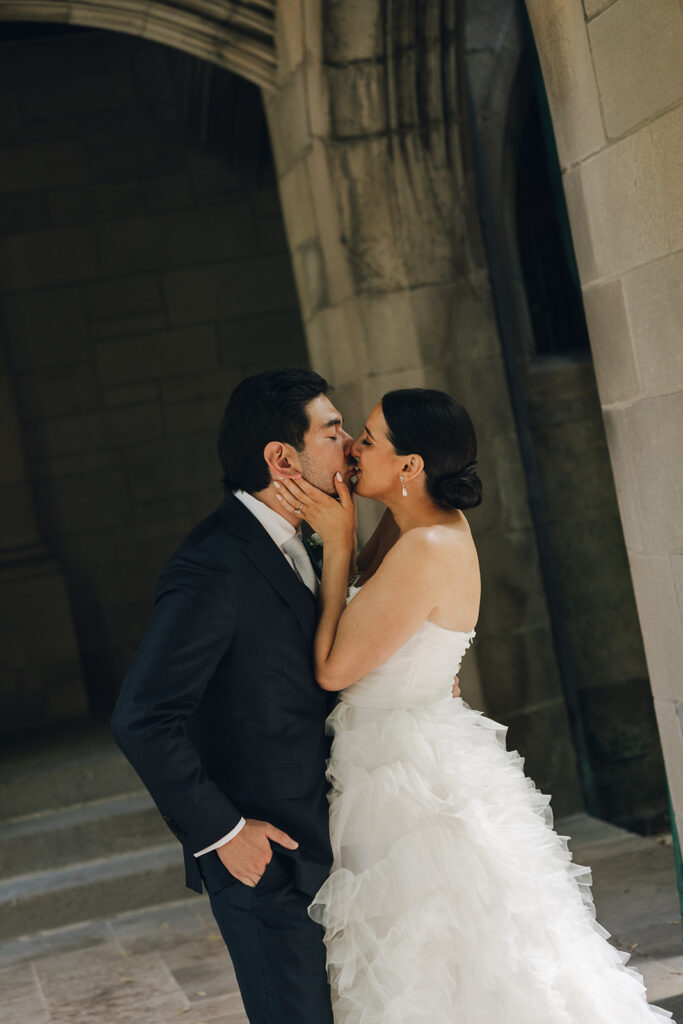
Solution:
(420, 672)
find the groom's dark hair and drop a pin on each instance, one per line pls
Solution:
(268, 406)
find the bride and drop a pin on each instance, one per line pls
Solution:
(451, 897)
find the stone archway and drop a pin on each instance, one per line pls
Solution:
(67, 379)
(236, 34)
(139, 183)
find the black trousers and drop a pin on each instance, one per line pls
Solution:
(276, 949)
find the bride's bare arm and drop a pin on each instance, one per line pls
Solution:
(353, 639)
(412, 579)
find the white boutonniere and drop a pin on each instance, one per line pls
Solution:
(314, 543)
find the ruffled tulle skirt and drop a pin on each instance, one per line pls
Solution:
(451, 897)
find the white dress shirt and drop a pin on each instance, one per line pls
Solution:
(279, 531)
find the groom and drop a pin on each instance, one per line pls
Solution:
(220, 713)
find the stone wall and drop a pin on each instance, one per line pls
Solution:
(132, 277)
(370, 138)
(561, 431)
(41, 672)
(614, 78)
(140, 279)
(595, 595)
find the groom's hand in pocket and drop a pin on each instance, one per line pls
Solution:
(247, 855)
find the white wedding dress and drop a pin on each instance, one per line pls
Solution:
(451, 899)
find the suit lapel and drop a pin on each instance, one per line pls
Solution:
(269, 560)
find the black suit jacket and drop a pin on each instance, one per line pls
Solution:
(219, 711)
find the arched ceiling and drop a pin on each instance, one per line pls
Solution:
(236, 34)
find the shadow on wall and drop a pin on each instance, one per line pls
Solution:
(144, 272)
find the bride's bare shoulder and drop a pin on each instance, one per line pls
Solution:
(440, 536)
(433, 543)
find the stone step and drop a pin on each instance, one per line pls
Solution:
(62, 771)
(94, 889)
(89, 831)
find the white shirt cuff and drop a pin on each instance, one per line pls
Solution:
(226, 839)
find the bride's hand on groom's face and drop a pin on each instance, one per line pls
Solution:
(332, 518)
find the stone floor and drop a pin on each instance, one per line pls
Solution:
(168, 964)
(154, 966)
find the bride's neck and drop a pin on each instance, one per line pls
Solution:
(416, 511)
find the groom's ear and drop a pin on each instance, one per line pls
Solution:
(281, 459)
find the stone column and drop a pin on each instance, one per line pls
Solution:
(614, 79)
(41, 678)
(378, 201)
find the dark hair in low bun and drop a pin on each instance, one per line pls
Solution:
(431, 424)
(457, 490)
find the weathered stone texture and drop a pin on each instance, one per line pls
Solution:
(593, 590)
(296, 206)
(293, 135)
(551, 764)
(353, 31)
(667, 146)
(654, 301)
(636, 47)
(309, 270)
(563, 43)
(657, 605)
(613, 356)
(670, 722)
(626, 208)
(593, 7)
(582, 238)
(655, 429)
(401, 295)
(357, 99)
(625, 480)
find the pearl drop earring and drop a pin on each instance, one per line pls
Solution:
(403, 489)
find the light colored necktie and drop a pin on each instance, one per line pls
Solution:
(296, 550)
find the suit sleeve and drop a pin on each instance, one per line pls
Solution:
(189, 632)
